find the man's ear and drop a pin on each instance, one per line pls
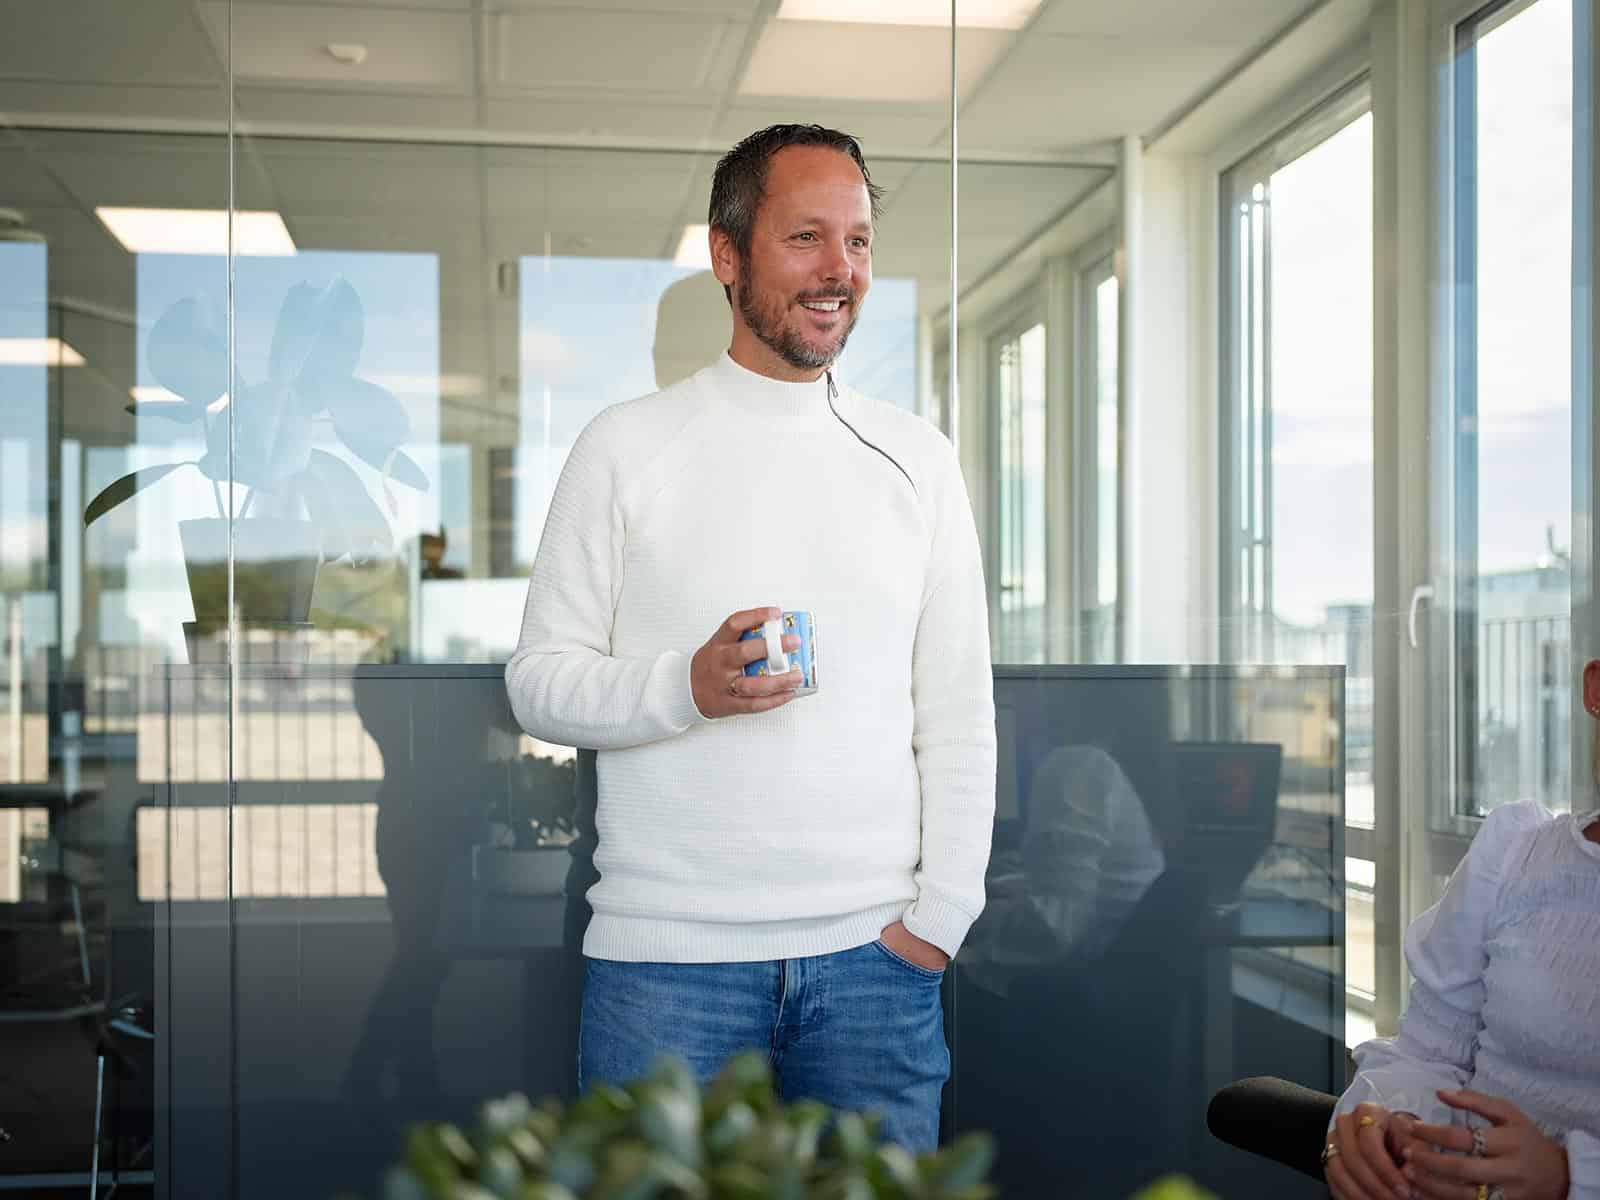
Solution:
(724, 257)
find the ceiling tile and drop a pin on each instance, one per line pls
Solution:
(580, 117)
(406, 48)
(151, 42)
(382, 183)
(306, 105)
(824, 60)
(899, 126)
(1235, 23)
(587, 50)
(1075, 90)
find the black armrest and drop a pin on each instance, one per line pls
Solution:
(1275, 1119)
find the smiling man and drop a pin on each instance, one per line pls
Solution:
(789, 873)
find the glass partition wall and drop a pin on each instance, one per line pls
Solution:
(301, 310)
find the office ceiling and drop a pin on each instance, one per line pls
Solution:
(486, 131)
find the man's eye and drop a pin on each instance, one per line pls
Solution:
(805, 235)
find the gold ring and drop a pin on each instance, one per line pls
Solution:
(1483, 1191)
(1366, 1122)
(1480, 1146)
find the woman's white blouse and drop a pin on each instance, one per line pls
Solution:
(1505, 997)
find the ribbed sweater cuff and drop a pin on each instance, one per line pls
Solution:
(938, 921)
(678, 699)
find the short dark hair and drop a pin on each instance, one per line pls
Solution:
(740, 181)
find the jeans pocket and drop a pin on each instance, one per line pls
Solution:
(923, 972)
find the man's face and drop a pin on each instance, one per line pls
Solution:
(798, 293)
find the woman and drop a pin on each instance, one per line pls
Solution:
(1491, 1090)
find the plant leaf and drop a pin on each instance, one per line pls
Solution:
(394, 462)
(294, 333)
(189, 352)
(337, 500)
(123, 489)
(338, 327)
(271, 439)
(365, 410)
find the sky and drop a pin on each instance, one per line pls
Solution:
(1322, 315)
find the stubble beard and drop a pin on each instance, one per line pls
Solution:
(784, 340)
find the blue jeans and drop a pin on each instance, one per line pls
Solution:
(860, 1030)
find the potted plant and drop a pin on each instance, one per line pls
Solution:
(302, 505)
(661, 1138)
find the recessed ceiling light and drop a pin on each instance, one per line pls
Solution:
(38, 352)
(197, 231)
(970, 14)
(890, 63)
(694, 248)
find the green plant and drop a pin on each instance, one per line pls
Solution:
(311, 380)
(1175, 1187)
(660, 1138)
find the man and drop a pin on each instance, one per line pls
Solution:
(781, 872)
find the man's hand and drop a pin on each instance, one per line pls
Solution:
(913, 949)
(716, 673)
(1516, 1158)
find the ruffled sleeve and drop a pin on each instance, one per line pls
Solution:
(1583, 1165)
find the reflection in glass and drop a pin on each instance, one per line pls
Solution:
(1166, 910)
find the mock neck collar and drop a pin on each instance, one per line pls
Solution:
(762, 396)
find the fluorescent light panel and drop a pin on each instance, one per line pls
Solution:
(38, 352)
(154, 395)
(970, 14)
(197, 231)
(694, 248)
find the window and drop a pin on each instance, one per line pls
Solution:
(1506, 513)
(1017, 363)
(1297, 436)
(1100, 418)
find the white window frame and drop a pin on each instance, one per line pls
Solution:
(1094, 263)
(1008, 322)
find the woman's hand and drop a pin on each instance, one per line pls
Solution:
(1363, 1158)
(1515, 1161)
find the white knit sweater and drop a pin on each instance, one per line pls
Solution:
(807, 829)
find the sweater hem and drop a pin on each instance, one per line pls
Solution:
(654, 939)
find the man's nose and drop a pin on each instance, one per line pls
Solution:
(836, 264)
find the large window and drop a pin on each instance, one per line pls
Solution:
(1505, 512)
(1298, 435)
